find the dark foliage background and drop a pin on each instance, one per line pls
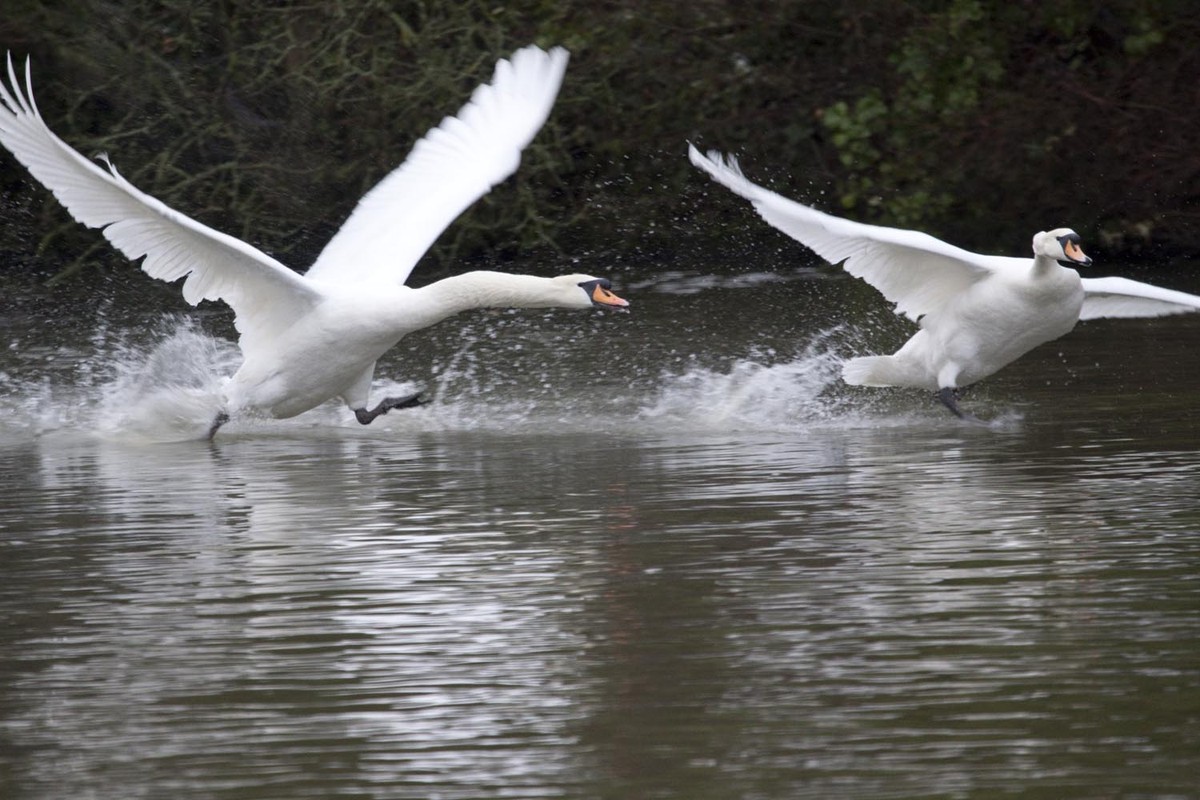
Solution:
(981, 121)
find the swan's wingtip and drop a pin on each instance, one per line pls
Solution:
(715, 162)
(12, 70)
(18, 98)
(102, 157)
(700, 159)
(556, 56)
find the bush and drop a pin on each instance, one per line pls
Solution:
(978, 120)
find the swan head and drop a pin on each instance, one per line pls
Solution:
(1061, 244)
(584, 291)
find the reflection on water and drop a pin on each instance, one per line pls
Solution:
(860, 612)
(661, 555)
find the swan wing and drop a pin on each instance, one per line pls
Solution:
(1122, 297)
(911, 269)
(265, 295)
(454, 165)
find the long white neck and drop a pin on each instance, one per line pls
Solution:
(486, 289)
(1045, 265)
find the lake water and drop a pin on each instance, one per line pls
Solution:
(655, 555)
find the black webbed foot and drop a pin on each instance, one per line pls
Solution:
(217, 422)
(949, 398)
(366, 417)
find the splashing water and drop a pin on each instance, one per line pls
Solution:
(168, 388)
(752, 395)
(120, 385)
(171, 393)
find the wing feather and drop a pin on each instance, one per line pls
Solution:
(1122, 297)
(911, 269)
(265, 295)
(454, 165)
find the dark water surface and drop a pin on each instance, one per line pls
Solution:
(662, 555)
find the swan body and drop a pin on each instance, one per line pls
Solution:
(992, 322)
(306, 339)
(342, 337)
(975, 313)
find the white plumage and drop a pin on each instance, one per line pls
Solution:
(976, 313)
(309, 338)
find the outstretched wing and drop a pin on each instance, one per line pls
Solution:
(454, 165)
(911, 269)
(265, 295)
(1121, 297)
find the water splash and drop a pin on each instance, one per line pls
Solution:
(169, 393)
(754, 395)
(164, 387)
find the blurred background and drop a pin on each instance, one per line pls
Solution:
(980, 121)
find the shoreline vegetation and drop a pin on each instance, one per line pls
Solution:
(979, 121)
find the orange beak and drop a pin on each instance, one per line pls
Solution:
(603, 297)
(1075, 253)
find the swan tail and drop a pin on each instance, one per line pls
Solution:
(875, 371)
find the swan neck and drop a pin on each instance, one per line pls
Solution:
(1044, 265)
(486, 289)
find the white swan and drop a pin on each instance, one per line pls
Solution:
(976, 313)
(309, 338)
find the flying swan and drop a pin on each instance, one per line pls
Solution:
(976, 313)
(306, 339)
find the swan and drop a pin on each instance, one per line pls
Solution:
(308, 338)
(975, 313)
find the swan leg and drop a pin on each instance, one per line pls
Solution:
(387, 404)
(217, 422)
(948, 396)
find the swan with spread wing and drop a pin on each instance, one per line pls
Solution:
(308, 338)
(975, 313)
